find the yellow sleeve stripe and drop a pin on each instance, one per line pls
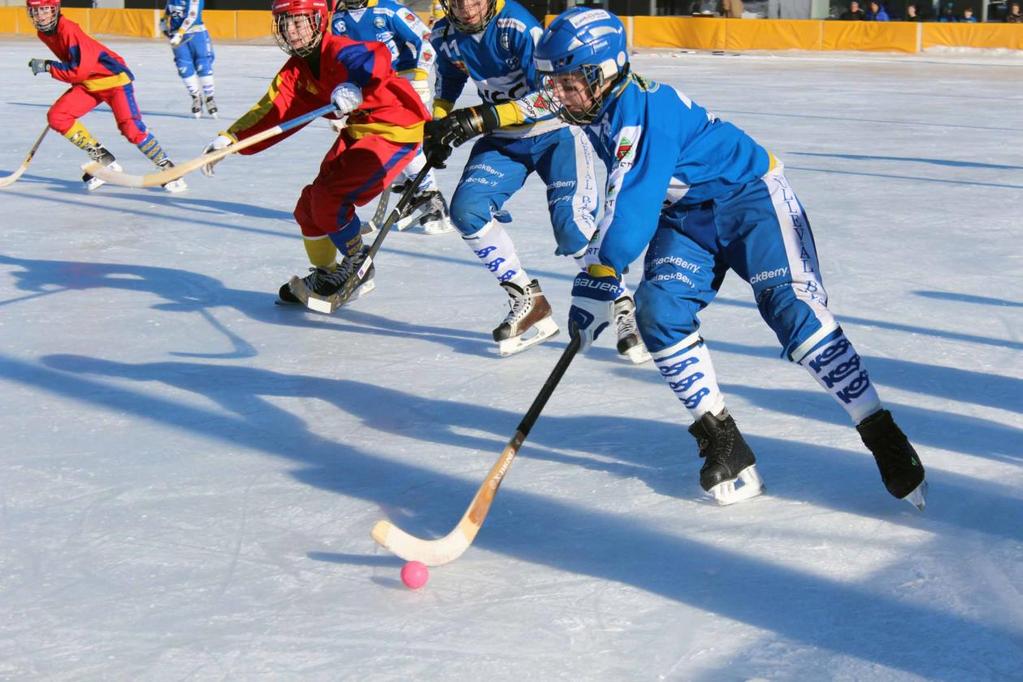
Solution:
(601, 270)
(258, 111)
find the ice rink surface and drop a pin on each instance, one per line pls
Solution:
(189, 473)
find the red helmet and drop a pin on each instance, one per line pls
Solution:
(43, 19)
(299, 21)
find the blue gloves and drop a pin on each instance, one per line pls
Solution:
(593, 301)
(39, 66)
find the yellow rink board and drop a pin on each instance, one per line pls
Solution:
(692, 33)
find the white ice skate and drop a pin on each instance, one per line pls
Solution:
(528, 322)
(174, 186)
(744, 486)
(92, 183)
(630, 344)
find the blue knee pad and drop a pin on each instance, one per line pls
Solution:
(183, 60)
(663, 317)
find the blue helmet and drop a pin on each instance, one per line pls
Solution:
(586, 46)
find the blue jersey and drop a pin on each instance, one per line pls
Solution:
(182, 16)
(391, 23)
(661, 149)
(500, 63)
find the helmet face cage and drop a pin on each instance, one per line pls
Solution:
(352, 4)
(578, 94)
(296, 22)
(479, 26)
(44, 16)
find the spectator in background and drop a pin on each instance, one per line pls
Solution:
(1014, 16)
(911, 13)
(731, 9)
(948, 14)
(876, 12)
(854, 13)
(968, 17)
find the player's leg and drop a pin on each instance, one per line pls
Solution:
(129, 121)
(429, 208)
(680, 278)
(491, 176)
(777, 256)
(352, 173)
(203, 57)
(63, 117)
(185, 63)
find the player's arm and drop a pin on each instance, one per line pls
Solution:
(450, 79)
(83, 56)
(190, 18)
(413, 32)
(273, 108)
(636, 185)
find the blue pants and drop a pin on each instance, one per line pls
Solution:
(761, 232)
(498, 167)
(194, 56)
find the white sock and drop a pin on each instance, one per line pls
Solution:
(687, 368)
(494, 248)
(207, 85)
(192, 84)
(836, 366)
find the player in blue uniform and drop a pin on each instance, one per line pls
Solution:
(702, 197)
(492, 42)
(193, 51)
(412, 57)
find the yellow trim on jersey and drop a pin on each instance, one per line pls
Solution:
(442, 107)
(106, 82)
(601, 270)
(258, 110)
(388, 131)
(417, 74)
(322, 252)
(773, 162)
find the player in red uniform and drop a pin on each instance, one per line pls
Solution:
(97, 75)
(383, 131)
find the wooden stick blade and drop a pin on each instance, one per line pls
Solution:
(430, 552)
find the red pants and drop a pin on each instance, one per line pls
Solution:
(352, 174)
(78, 101)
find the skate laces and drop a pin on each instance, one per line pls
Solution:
(324, 281)
(625, 320)
(519, 304)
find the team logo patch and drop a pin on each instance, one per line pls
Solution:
(542, 103)
(624, 147)
(505, 41)
(379, 22)
(409, 19)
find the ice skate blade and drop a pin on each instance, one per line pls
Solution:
(176, 186)
(918, 498)
(637, 355)
(438, 227)
(328, 304)
(94, 183)
(726, 493)
(544, 329)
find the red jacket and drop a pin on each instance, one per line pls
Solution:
(83, 59)
(390, 107)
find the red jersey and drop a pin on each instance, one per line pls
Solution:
(390, 107)
(83, 59)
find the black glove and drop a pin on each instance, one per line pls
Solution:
(461, 125)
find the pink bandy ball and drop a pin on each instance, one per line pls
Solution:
(414, 574)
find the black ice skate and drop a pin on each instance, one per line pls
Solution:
(630, 345)
(174, 186)
(211, 106)
(728, 460)
(320, 289)
(529, 311)
(197, 105)
(100, 155)
(900, 467)
(427, 209)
